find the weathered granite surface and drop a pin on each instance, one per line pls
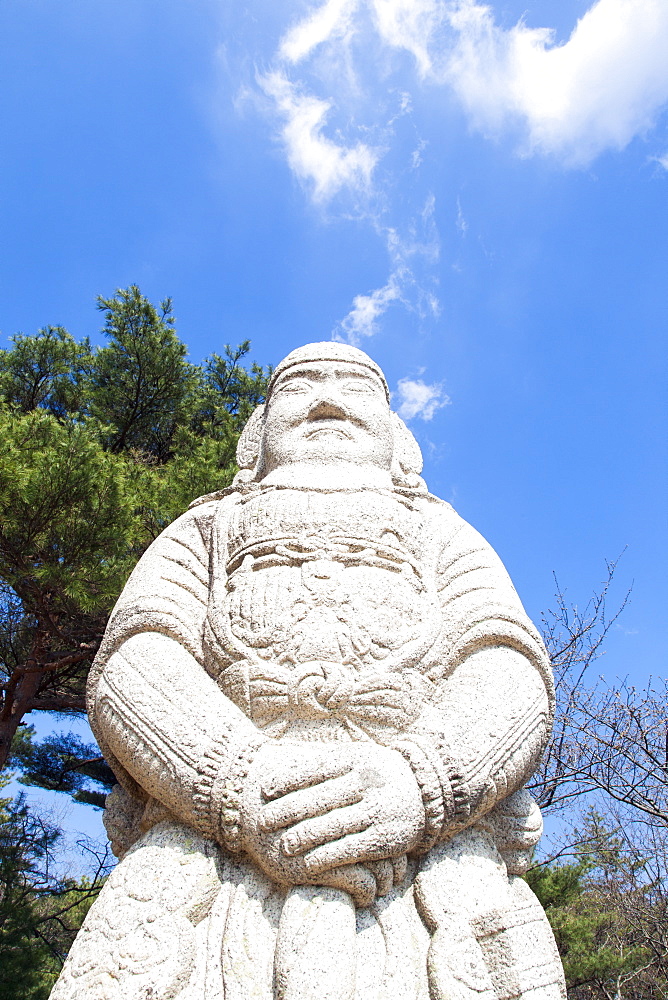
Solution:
(322, 698)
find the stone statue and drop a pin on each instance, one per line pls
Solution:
(322, 698)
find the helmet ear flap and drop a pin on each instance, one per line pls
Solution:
(407, 454)
(248, 445)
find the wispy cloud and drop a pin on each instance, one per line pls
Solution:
(314, 158)
(362, 320)
(410, 254)
(594, 92)
(419, 399)
(334, 19)
(411, 25)
(461, 223)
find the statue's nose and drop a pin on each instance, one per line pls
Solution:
(327, 408)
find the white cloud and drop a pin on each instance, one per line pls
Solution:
(461, 223)
(405, 283)
(597, 91)
(362, 320)
(418, 399)
(333, 19)
(409, 25)
(416, 155)
(313, 157)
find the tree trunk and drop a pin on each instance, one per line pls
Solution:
(21, 689)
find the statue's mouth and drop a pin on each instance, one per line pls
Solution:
(327, 427)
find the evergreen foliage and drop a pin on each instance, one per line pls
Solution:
(62, 763)
(40, 911)
(601, 910)
(100, 449)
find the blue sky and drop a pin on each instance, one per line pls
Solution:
(475, 194)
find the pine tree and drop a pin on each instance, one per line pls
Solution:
(606, 917)
(100, 449)
(40, 911)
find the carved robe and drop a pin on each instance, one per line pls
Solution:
(301, 615)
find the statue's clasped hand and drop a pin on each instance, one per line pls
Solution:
(341, 816)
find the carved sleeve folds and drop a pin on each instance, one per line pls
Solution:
(162, 721)
(489, 717)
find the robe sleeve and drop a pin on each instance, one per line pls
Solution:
(162, 722)
(489, 714)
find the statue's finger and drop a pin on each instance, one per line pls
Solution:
(295, 807)
(350, 849)
(322, 829)
(400, 867)
(384, 682)
(355, 879)
(386, 698)
(383, 872)
(381, 716)
(262, 686)
(294, 774)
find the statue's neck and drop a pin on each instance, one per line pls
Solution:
(329, 476)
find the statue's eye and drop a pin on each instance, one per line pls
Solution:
(357, 385)
(294, 385)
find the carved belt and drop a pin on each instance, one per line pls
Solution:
(321, 689)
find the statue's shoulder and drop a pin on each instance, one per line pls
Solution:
(450, 531)
(226, 497)
(203, 511)
(441, 515)
(191, 532)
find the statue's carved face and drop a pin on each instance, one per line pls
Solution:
(327, 412)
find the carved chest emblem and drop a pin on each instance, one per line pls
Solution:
(326, 605)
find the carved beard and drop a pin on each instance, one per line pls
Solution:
(321, 610)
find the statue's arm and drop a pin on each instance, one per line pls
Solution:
(172, 729)
(161, 720)
(488, 717)
(483, 735)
